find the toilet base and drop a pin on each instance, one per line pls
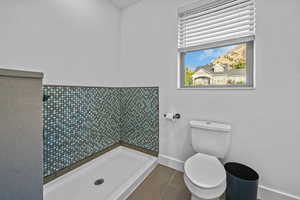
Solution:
(197, 198)
(204, 194)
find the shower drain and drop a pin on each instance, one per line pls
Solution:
(99, 181)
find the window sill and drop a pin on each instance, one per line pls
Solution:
(217, 88)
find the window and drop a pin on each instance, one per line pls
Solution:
(216, 44)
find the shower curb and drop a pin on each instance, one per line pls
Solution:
(62, 172)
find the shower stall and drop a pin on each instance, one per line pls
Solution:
(99, 142)
(74, 142)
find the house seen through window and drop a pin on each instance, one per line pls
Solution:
(216, 66)
(216, 44)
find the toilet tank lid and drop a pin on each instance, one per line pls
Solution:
(211, 125)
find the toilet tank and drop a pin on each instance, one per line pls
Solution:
(211, 138)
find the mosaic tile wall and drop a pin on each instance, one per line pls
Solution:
(140, 120)
(77, 123)
(80, 121)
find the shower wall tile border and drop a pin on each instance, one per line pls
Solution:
(80, 122)
(78, 164)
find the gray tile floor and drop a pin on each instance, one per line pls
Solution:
(162, 184)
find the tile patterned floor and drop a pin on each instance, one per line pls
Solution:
(162, 184)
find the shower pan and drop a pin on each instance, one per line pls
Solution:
(112, 176)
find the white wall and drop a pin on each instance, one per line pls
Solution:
(77, 42)
(71, 41)
(266, 131)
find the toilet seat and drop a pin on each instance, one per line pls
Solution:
(204, 171)
(205, 176)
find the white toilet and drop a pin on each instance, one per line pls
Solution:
(204, 174)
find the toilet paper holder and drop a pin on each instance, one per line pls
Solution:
(172, 116)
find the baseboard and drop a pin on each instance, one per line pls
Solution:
(264, 193)
(171, 162)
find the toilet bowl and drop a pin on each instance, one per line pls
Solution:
(205, 177)
(204, 174)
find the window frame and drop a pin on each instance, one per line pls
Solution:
(250, 60)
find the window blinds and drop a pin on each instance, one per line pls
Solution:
(216, 21)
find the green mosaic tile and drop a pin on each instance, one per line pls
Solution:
(77, 123)
(80, 121)
(140, 117)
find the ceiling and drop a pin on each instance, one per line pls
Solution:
(124, 3)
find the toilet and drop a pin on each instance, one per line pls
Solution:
(204, 174)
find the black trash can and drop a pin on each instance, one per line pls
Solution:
(242, 182)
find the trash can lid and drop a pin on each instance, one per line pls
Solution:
(241, 171)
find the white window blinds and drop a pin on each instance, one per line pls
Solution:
(215, 21)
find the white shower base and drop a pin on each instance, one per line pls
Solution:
(122, 169)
